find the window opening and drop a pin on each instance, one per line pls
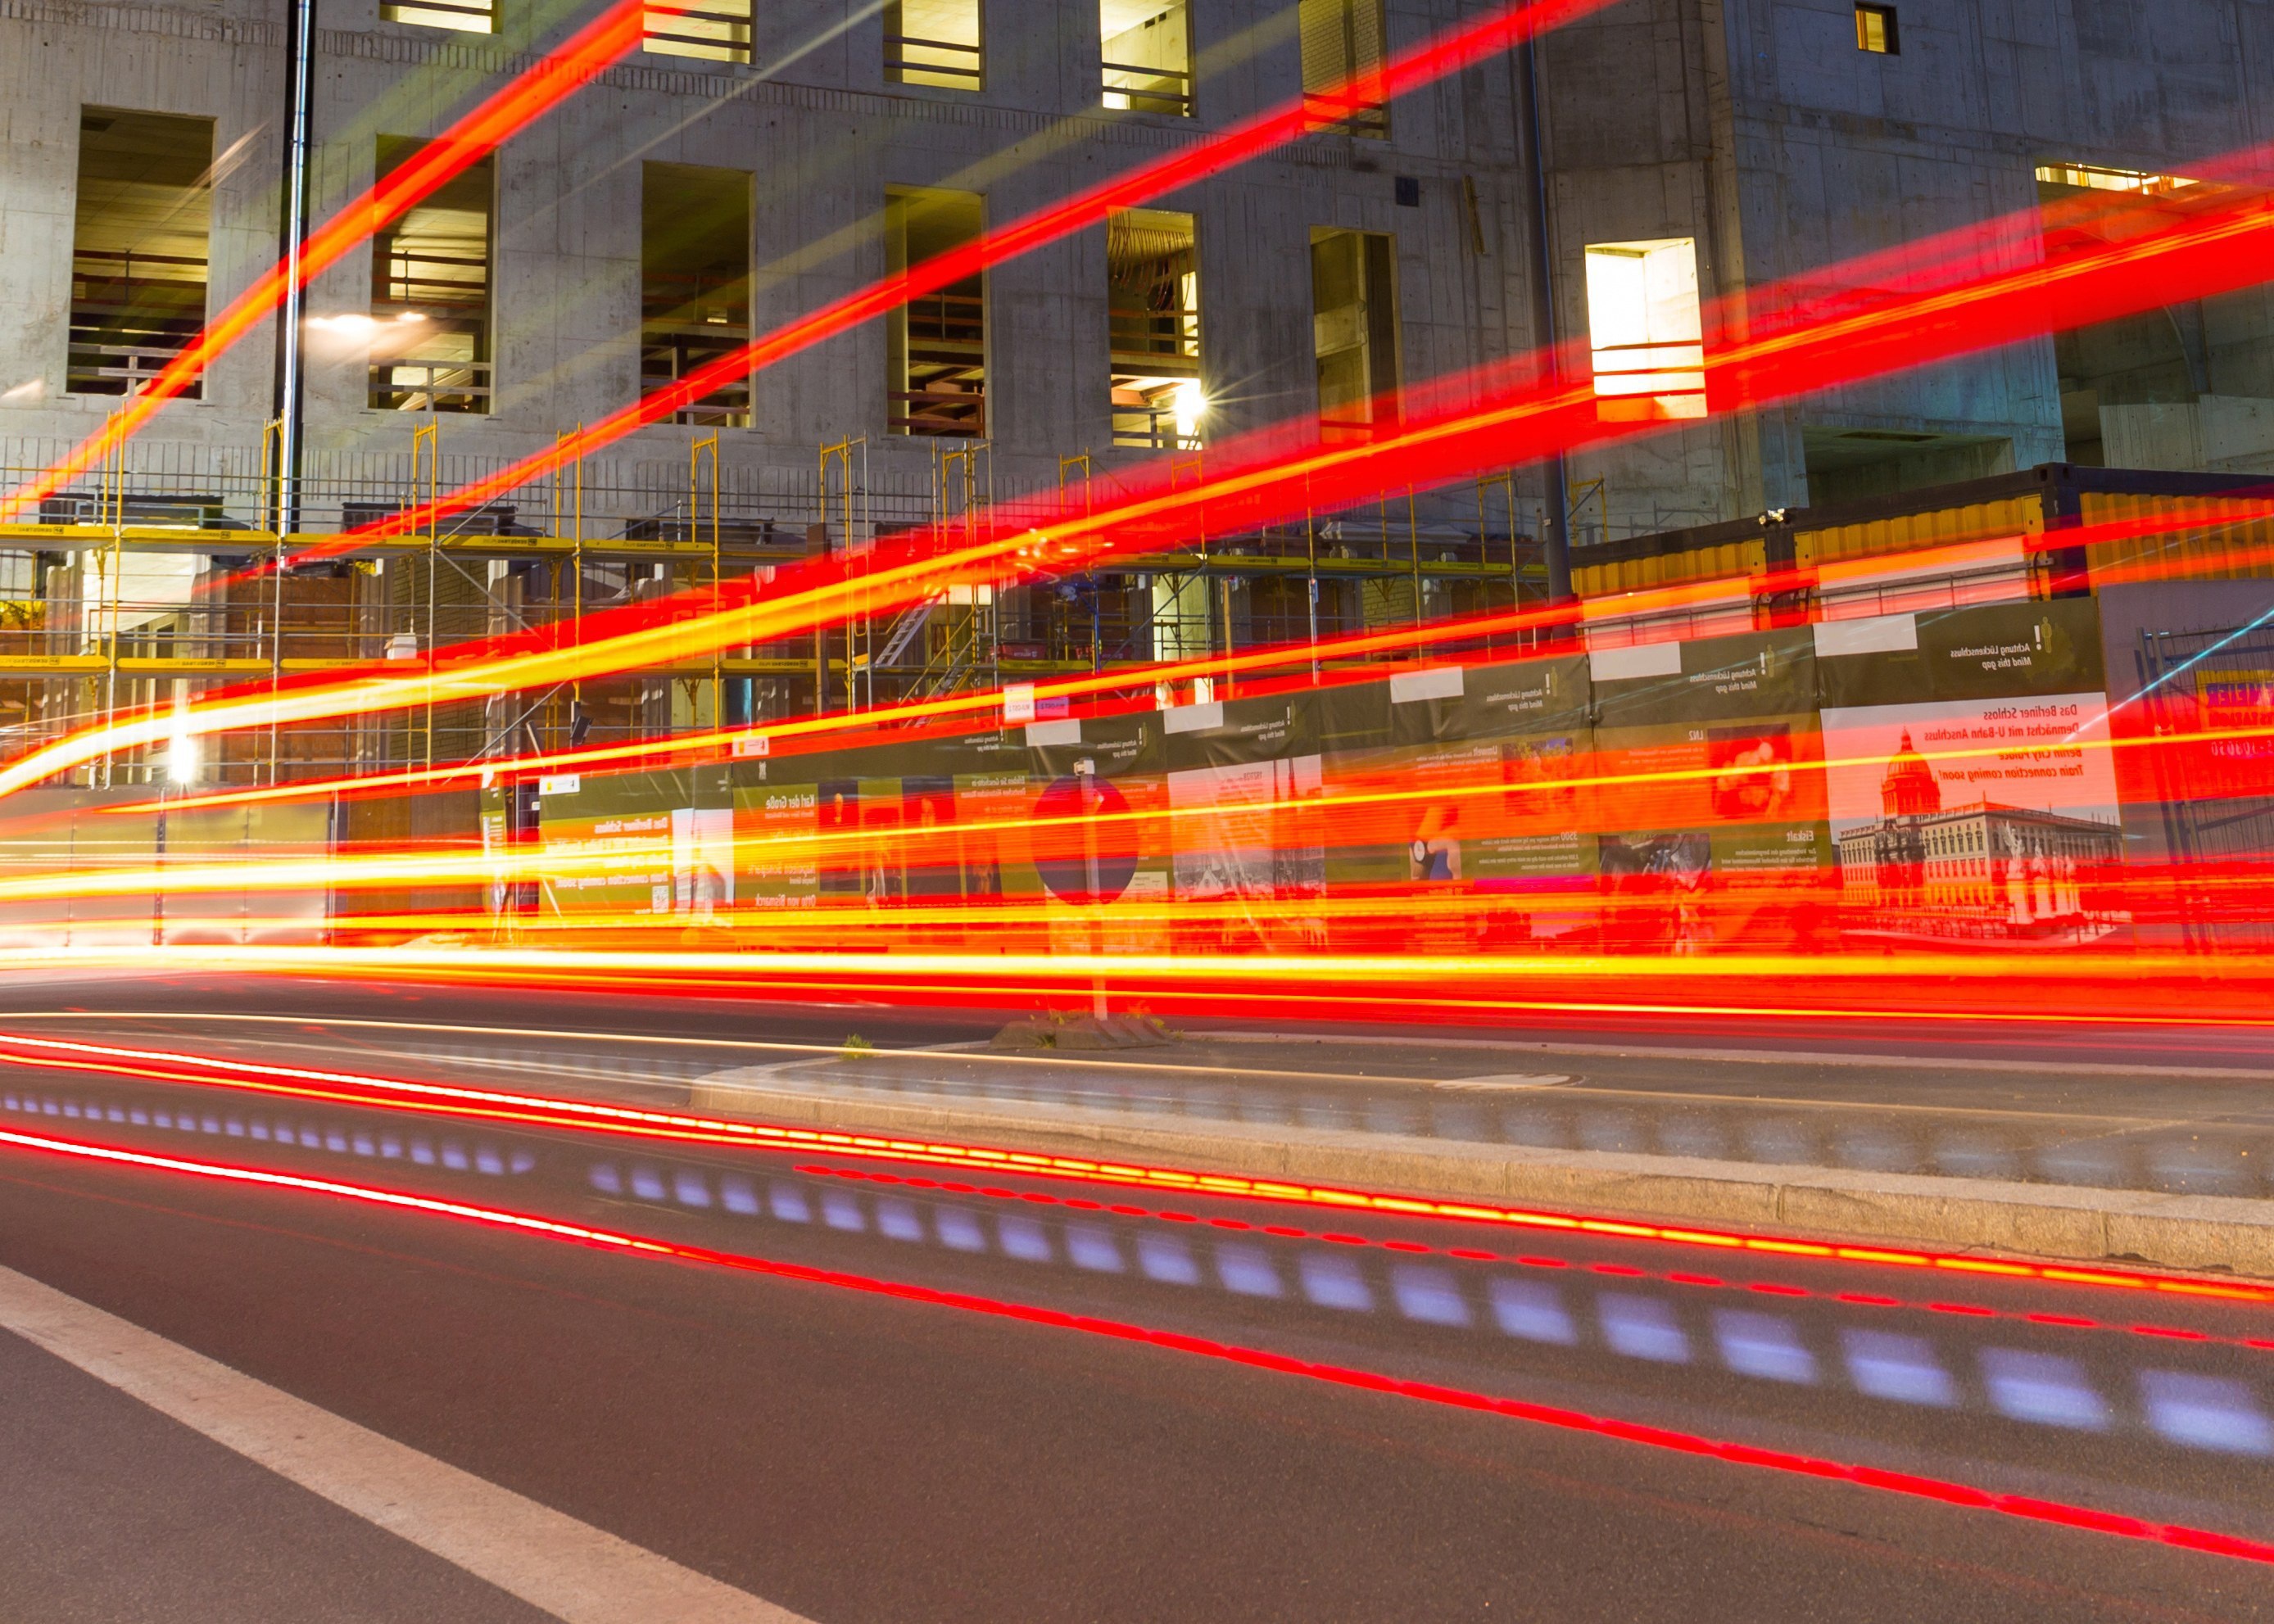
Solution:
(465, 15)
(430, 297)
(1148, 55)
(1342, 42)
(143, 214)
(2182, 387)
(937, 344)
(2094, 177)
(695, 284)
(1875, 30)
(1644, 327)
(710, 30)
(934, 43)
(1354, 332)
(1153, 306)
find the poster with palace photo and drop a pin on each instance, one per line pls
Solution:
(1971, 789)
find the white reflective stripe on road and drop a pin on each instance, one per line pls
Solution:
(575, 1572)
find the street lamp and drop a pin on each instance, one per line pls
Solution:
(181, 769)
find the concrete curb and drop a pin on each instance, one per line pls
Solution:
(2205, 1234)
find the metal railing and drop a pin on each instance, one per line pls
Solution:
(1152, 428)
(1346, 113)
(959, 413)
(946, 341)
(671, 350)
(1145, 334)
(413, 384)
(710, 30)
(953, 66)
(126, 328)
(1147, 90)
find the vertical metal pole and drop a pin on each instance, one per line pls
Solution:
(717, 560)
(432, 436)
(158, 890)
(1096, 583)
(1089, 800)
(1311, 550)
(1413, 546)
(820, 626)
(116, 568)
(577, 563)
(300, 51)
(277, 627)
(1555, 538)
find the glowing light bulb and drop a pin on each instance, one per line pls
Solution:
(182, 751)
(1187, 402)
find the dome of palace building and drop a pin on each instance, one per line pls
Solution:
(1909, 788)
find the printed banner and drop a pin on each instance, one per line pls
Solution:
(1983, 806)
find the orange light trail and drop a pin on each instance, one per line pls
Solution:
(939, 842)
(2167, 989)
(2219, 249)
(1639, 604)
(1499, 30)
(528, 97)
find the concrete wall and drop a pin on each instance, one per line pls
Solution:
(823, 137)
(1759, 128)
(1753, 125)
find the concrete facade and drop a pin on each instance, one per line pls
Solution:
(1761, 129)
(1755, 127)
(823, 138)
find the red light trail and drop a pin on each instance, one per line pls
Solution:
(528, 97)
(1812, 345)
(1678, 1277)
(629, 1121)
(615, 32)
(1497, 32)
(1115, 685)
(1942, 1492)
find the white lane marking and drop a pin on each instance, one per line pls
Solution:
(575, 1572)
(1506, 1081)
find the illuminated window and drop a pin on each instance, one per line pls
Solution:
(934, 43)
(466, 16)
(695, 284)
(1354, 331)
(1643, 325)
(1149, 56)
(2094, 177)
(144, 208)
(935, 345)
(429, 331)
(1153, 305)
(713, 30)
(1875, 30)
(1343, 43)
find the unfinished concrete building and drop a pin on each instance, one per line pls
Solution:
(748, 164)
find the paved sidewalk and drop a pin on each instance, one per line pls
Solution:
(2176, 1131)
(2166, 1166)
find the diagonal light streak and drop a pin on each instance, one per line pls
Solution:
(1806, 348)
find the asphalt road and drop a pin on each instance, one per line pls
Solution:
(1420, 1434)
(723, 1014)
(2178, 1114)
